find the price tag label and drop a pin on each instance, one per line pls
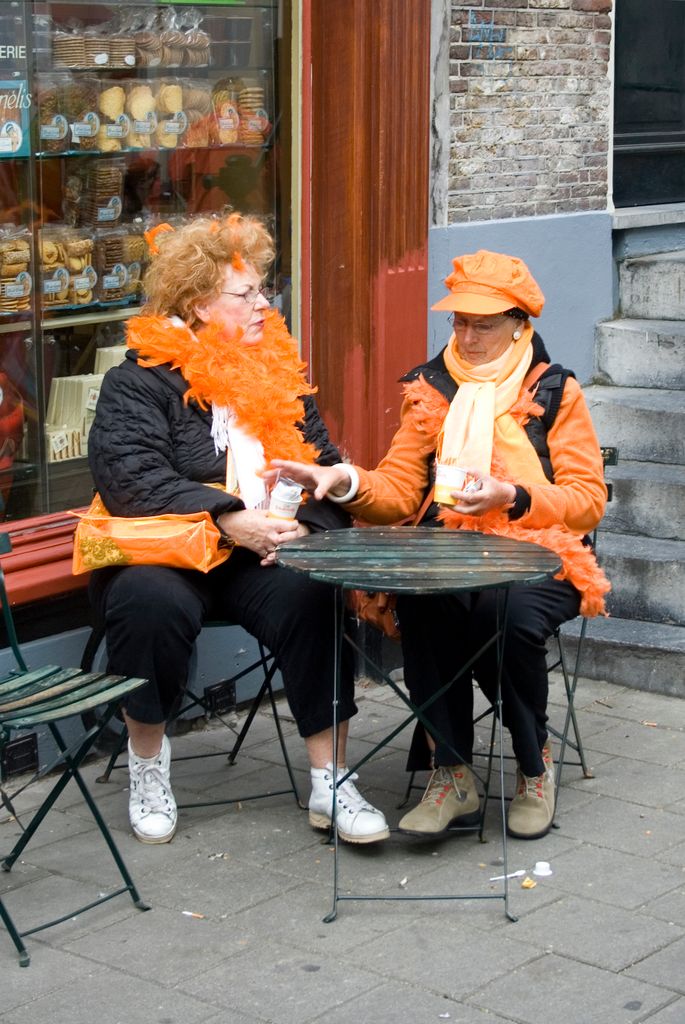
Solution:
(20, 288)
(177, 126)
(147, 126)
(87, 128)
(110, 212)
(59, 282)
(58, 442)
(120, 128)
(92, 398)
(56, 129)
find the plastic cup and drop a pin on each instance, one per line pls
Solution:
(448, 478)
(285, 499)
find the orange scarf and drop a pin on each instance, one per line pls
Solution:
(480, 415)
(262, 384)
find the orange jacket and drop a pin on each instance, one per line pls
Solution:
(560, 513)
(576, 499)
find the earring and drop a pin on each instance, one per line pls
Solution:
(516, 335)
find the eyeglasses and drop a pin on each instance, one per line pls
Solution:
(481, 327)
(250, 297)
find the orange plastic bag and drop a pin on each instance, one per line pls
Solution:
(376, 608)
(192, 541)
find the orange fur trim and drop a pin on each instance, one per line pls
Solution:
(429, 407)
(579, 564)
(151, 237)
(261, 384)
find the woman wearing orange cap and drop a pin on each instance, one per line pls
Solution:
(491, 405)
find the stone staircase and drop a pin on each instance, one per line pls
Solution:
(638, 406)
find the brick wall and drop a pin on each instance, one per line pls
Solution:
(529, 107)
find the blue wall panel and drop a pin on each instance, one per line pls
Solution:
(571, 258)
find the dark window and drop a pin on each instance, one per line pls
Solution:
(649, 110)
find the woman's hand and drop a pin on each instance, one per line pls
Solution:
(255, 530)
(483, 493)
(302, 531)
(319, 480)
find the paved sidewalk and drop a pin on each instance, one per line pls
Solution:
(601, 940)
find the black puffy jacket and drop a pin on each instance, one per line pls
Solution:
(150, 453)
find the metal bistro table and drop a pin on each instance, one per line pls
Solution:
(418, 560)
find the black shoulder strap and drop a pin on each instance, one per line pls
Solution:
(548, 394)
(550, 391)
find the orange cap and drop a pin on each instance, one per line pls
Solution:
(490, 282)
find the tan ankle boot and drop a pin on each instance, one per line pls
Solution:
(450, 799)
(531, 812)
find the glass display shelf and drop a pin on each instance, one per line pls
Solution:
(8, 325)
(207, 7)
(233, 149)
(139, 113)
(94, 317)
(143, 71)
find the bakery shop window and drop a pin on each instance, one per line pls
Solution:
(138, 113)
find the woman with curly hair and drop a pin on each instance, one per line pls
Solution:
(211, 390)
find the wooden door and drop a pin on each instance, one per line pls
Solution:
(366, 222)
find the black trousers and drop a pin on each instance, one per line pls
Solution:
(441, 632)
(152, 616)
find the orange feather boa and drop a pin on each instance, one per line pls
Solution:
(262, 384)
(579, 565)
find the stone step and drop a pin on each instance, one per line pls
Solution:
(653, 285)
(648, 577)
(645, 424)
(641, 353)
(643, 655)
(648, 499)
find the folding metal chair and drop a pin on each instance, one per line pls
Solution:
(569, 666)
(215, 701)
(47, 696)
(570, 670)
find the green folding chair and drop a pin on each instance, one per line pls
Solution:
(46, 696)
(568, 663)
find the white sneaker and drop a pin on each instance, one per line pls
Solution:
(357, 820)
(151, 805)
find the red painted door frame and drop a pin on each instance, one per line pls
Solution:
(365, 159)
